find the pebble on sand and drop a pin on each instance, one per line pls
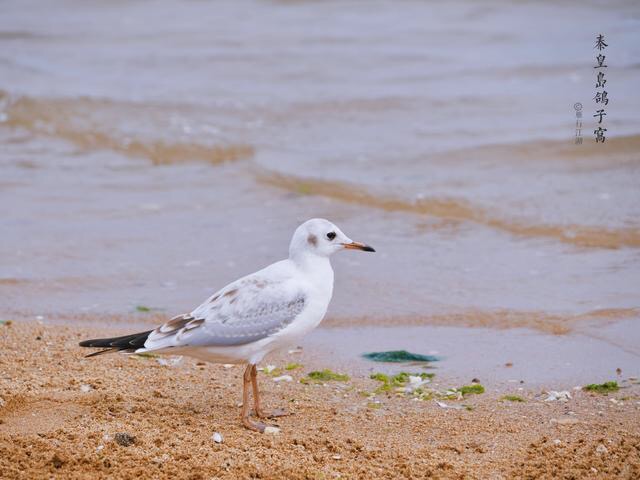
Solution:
(565, 421)
(170, 361)
(563, 396)
(217, 437)
(124, 439)
(444, 405)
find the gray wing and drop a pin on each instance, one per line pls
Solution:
(243, 312)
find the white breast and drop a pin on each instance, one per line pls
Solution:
(315, 279)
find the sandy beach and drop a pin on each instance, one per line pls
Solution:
(151, 152)
(64, 416)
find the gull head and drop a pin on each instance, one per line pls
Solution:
(321, 237)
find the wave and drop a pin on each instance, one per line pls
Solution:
(13, 282)
(453, 209)
(553, 323)
(620, 150)
(73, 120)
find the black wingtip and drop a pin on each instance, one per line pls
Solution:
(101, 352)
(116, 344)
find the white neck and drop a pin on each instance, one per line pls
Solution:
(317, 268)
(308, 261)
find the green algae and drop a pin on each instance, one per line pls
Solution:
(474, 389)
(512, 398)
(605, 387)
(144, 355)
(392, 382)
(326, 375)
(399, 356)
(456, 393)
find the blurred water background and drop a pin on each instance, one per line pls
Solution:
(152, 151)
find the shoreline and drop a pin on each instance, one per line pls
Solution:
(498, 319)
(592, 351)
(60, 412)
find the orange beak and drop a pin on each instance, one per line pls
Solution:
(358, 246)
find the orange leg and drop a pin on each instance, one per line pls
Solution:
(256, 398)
(246, 421)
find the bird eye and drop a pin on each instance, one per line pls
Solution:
(331, 235)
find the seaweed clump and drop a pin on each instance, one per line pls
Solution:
(326, 375)
(399, 356)
(605, 387)
(512, 398)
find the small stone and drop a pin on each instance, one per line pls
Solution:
(565, 421)
(85, 388)
(415, 382)
(601, 450)
(283, 378)
(444, 405)
(557, 441)
(99, 447)
(337, 457)
(216, 437)
(271, 430)
(169, 362)
(160, 460)
(124, 439)
(57, 462)
(228, 365)
(563, 396)
(475, 380)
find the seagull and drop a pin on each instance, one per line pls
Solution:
(253, 316)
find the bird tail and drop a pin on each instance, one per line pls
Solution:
(124, 344)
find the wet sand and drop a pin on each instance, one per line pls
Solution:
(60, 413)
(161, 153)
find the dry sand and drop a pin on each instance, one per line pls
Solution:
(60, 413)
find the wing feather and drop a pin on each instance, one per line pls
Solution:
(245, 311)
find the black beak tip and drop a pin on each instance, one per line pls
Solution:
(368, 248)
